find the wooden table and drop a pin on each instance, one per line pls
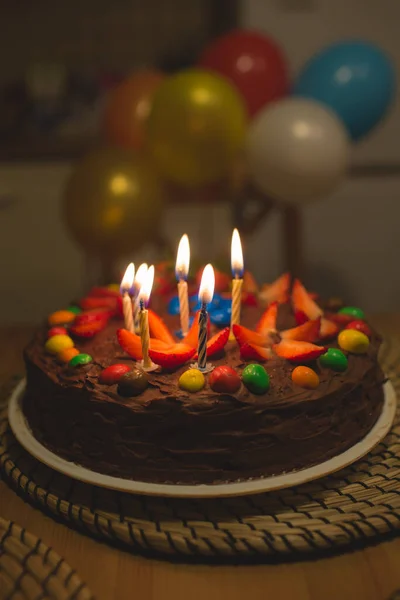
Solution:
(369, 574)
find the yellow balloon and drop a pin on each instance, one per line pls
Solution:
(196, 127)
(113, 202)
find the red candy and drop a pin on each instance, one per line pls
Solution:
(359, 325)
(112, 374)
(57, 331)
(224, 380)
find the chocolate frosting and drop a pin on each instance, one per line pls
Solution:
(169, 435)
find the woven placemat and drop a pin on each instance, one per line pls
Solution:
(30, 570)
(354, 507)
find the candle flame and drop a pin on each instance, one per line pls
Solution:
(236, 255)
(127, 280)
(207, 284)
(145, 290)
(182, 258)
(140, 276)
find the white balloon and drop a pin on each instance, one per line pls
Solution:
(297, 150)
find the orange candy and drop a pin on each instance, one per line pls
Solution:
(66, 355)
(305, 377)
(61, 317)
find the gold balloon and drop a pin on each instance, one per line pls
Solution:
(113, 202)
(196, 127)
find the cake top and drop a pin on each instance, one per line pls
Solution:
(286, 349)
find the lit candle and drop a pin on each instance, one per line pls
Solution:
(125, 289)
(181, 272)
(237, 282)
(137, 284)
(206, 293)
(143, 297)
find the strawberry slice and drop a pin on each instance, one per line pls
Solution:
(249, 283)
(218, 342)
(172, 358)
(130, 343)
(340, 319)
(302, 301)
(244, 335)
(300, 317)
(192, 337)
(113, 304)
(308, 332)
(268, 319)
(89, 329)
(103, 292)
(251, 351)
(159, 345)
(158, 329)
(328, 329)
(278, 291)
(298, 351)
(249, 299)
(95, 314)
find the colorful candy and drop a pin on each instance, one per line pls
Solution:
(359, 325)
(56, 331)
(74, 309)
(133, 383)
(353, 341)
(334, 359)
(352, 311)
(66, 355)
(224, 379)
(192, 380)
(113, 373)
(61, 317)
(255, 378)
(305, 377)
(56, 343)
(80, 359)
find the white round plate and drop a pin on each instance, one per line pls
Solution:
(254, 486)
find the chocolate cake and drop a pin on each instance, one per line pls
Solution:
(166, 434)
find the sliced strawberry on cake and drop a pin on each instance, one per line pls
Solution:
(251, 351)
(88, 329)
(218, 342)
(114, 304)
(267, 322)
(95, 314)
(308, 332)
(158, 328)
(244, 335)
(130, 343)
(302, 301)
(174, 357)
(328, 329)
(296, 351)
(278, 291)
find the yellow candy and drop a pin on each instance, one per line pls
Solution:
(61, 317)
(305, 377)
(192, 380)
(353, 341)
(57, 343)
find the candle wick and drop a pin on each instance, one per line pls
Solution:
(141, 304)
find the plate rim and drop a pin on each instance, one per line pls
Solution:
(25, 437)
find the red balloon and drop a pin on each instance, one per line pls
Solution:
(253, 62)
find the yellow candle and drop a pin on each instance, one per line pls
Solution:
(237, 282)
(181, 271)
(143, 298)
(126, 285)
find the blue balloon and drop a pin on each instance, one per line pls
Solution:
(355, 79)
(173, 306)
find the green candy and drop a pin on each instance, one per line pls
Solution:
(352, 311)
(80, 359)
(256, 379)
(334, 359)
(74, 309)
